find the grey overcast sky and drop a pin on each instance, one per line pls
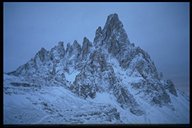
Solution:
(161, 29)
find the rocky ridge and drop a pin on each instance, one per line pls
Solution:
(111, 63)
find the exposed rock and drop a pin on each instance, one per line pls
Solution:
(85, 48)
(170, 86)
(97, 71)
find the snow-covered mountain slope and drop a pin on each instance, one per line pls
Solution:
(107, 81)
(28, 104)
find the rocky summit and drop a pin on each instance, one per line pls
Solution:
(109, 80)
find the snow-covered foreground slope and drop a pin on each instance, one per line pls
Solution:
(28, 104)
(178, 113)
(55, 105)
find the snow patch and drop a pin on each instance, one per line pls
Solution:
(71, 75)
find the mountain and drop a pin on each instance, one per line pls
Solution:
(109, 80)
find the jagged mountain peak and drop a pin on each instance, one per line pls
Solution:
(42, 50)
(59, 46)
(99, 29)
(85, 39)
(108, 65)
(42, 54)
(61, 43)
(98, 36)
(113, 22)
(86, 43)
(75, 42)
(76, 46)
(113, 32)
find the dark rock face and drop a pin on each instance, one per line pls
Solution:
(170, 87)
(76, 48)
(42, 54)
(69, 50)
(98, 35)
(96, 71)
(59, 51)
(126, 99)
(114, 27)
(153, 91)
(85, 48)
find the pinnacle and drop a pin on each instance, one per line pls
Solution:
(113, 18)
(85, 39)
(75, 42)
(112, 23)
(60, 43)
(43, 49)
